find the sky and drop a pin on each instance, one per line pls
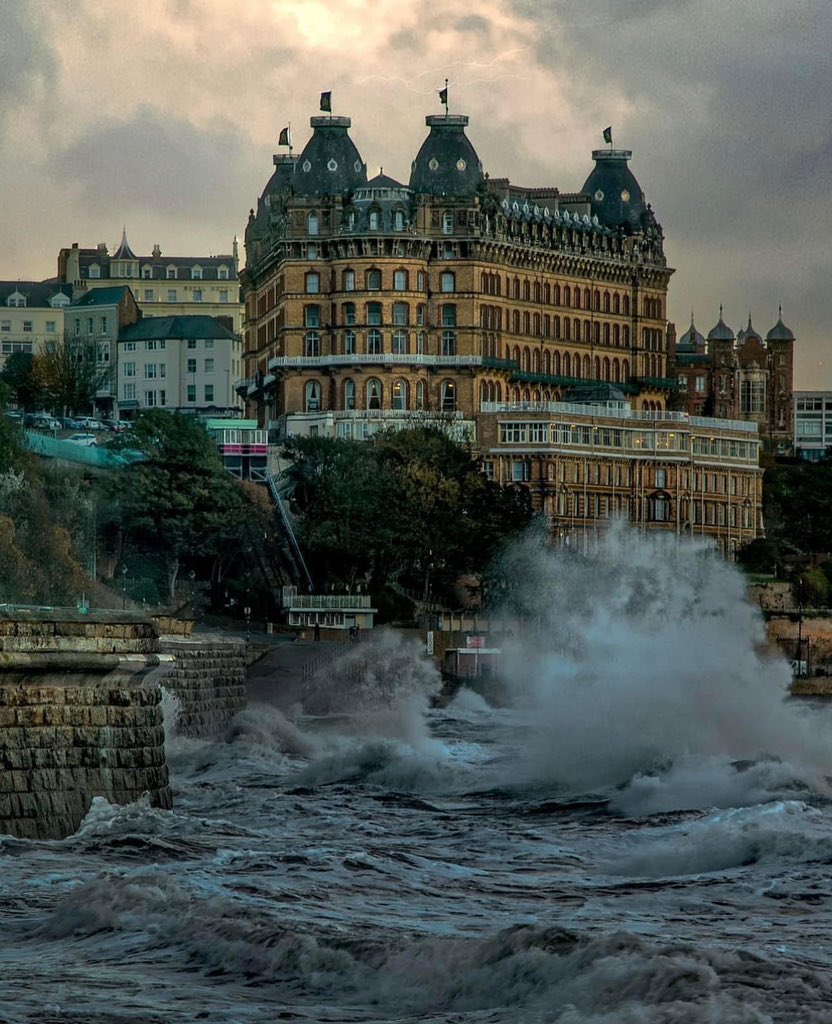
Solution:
(162, 117)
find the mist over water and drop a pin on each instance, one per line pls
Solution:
(646, 665)
(638, 834)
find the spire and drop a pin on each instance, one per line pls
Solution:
(124, 252)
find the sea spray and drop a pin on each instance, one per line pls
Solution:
(640, 653)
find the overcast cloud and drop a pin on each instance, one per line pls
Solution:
(164, 116)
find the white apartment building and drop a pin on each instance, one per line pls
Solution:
(181, 363)
(31, 316)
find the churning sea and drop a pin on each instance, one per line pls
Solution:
(634, 828)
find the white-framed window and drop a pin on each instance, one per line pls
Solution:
(374, 280)
(313, 283)
(129, 369)
(400, 395)
(172, 295)
(197, 295)
(208, 391)
(349, 280)
(400, 343)
(374, 393)
(349, 394)
(222, 273)
(312, 223)
(447, 223)
(209, 343)
(312, 316)
(374, 341)
(5, 326)
(224, 295)
(449, 343)
(190, 366)
(149, 294)
(147, 272)
(312, 343)
(374, 220)
(128, 392)
(95, 271)
(521, 471)
(27, 326)
(448, 393)
(700, 384)
(400, 281)
(349, 343)
(661, 478)
(130, 346)
(190, 394)
(150, 346)
(191, 342)
(447, 282)
(163, 397)
(401, 314)
(103, 352)
(313, 396)
(196, 273)
(170, 273)
(209, 365)
(150, 399)
(103, 324)
(51, 327)
(150, 371)
(89, 325)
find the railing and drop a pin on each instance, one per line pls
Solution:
(321, 602)
(617, 411)
(418, 415)
(66, 451)
(375, 359)
(287, 525)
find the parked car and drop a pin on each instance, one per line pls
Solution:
(14, 414)
(84, 440)
(43, 421)
(90, 423)
(117, 426)
(70, 423)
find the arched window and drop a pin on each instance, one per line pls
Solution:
(374, 220)
(448, 393)
(400, 281)
(348, 310)
(447, 282)
(349, 280)
(374, 393)
(616, 334)
(567, 365)
(547, 326)
(537, 291)
(596, 368)
(349, 394)
(547, 294)
(625, 371)
(401, 314)
(626, 305)
(567, 328)
(587, 299)
(525, 363)
(515, 316)
(312, 316)
(536, 361)
(374, 314)
(577, 298)
(616, 371)
(587, 331)
(586, 367)
(312, 344)
(606, 334)
(606, 368)
(526, 291)
(596, 299)
(420, 394)
(373, 280)
(447, 223)
(606, 302)
(576, 329)
(421, 343)
(313, 396)
(557, 295)
(374, 342)
(398, 220)
(536, 324)
(526, 325)
(616, 303)
(312, 223)
(626, 334)
(400, 343)
(400, 395)
(516, 288)
(313, 283)
(547, 362)
(556, 364)
(349, 343)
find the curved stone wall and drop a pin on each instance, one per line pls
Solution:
(208, 678)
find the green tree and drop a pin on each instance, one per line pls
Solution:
(19, 374)
(176, 501)
(71, 375)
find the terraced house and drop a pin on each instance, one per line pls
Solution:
(473, 302)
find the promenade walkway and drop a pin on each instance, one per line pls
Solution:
(279, 677)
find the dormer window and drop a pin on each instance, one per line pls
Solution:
(95, 270)
(222, 273)
(171, 273)
(16, 299)
(447, 224)
(312, 224)
(58, 300)
(374, 220)
(398, 220)
(147, 272)
(196, 273)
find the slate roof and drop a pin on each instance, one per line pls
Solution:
(102, 296)
(37, 293)
(446, 164)
(177, 328)
(616, 196)
(330, 164)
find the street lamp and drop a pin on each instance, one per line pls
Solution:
(800, 628)
(123, 587)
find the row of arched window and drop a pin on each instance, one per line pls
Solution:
(535, 325)
(372, 280)
(401, 396)
(572, 296)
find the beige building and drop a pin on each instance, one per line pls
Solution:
(162, 285)
(31, 316)
(180, 363)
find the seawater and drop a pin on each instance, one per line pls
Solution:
(639, 832)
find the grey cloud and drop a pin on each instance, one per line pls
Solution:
(26, 61)
(473, 23)
(161, 165)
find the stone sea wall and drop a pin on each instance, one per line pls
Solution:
(208, 679)
(62, 745)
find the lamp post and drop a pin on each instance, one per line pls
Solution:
(123, 587)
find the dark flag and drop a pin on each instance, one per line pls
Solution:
(326, 102)
(285, 138)
(608, 135)
(443, 96)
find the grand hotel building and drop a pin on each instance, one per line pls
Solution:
(528, 320)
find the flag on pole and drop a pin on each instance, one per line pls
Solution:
(326, 102)
(443, 96)
(608, 135)
(285, 138)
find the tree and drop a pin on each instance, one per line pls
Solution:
(19, 374)
(71, 374)
(176, 501)
(408, 511)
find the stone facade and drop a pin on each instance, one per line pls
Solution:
(62, 745)
(208, 680)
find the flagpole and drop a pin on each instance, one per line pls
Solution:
(446, 99)
(289, 136)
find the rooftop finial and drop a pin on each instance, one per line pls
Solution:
(691, 316)
(720, 311)
(780, 311)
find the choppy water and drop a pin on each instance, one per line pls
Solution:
(406, 864)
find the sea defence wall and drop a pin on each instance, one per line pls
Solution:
(80, 716)
(208, 679)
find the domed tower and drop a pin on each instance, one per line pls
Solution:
(691, 340)
(780, 345)
(330, 164)
(446, 164)
(616, 197)
(721, 351)
(267, 218)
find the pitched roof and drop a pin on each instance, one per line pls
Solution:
(103, 296)
(124, 252)
(38, 293)
(176, 328)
